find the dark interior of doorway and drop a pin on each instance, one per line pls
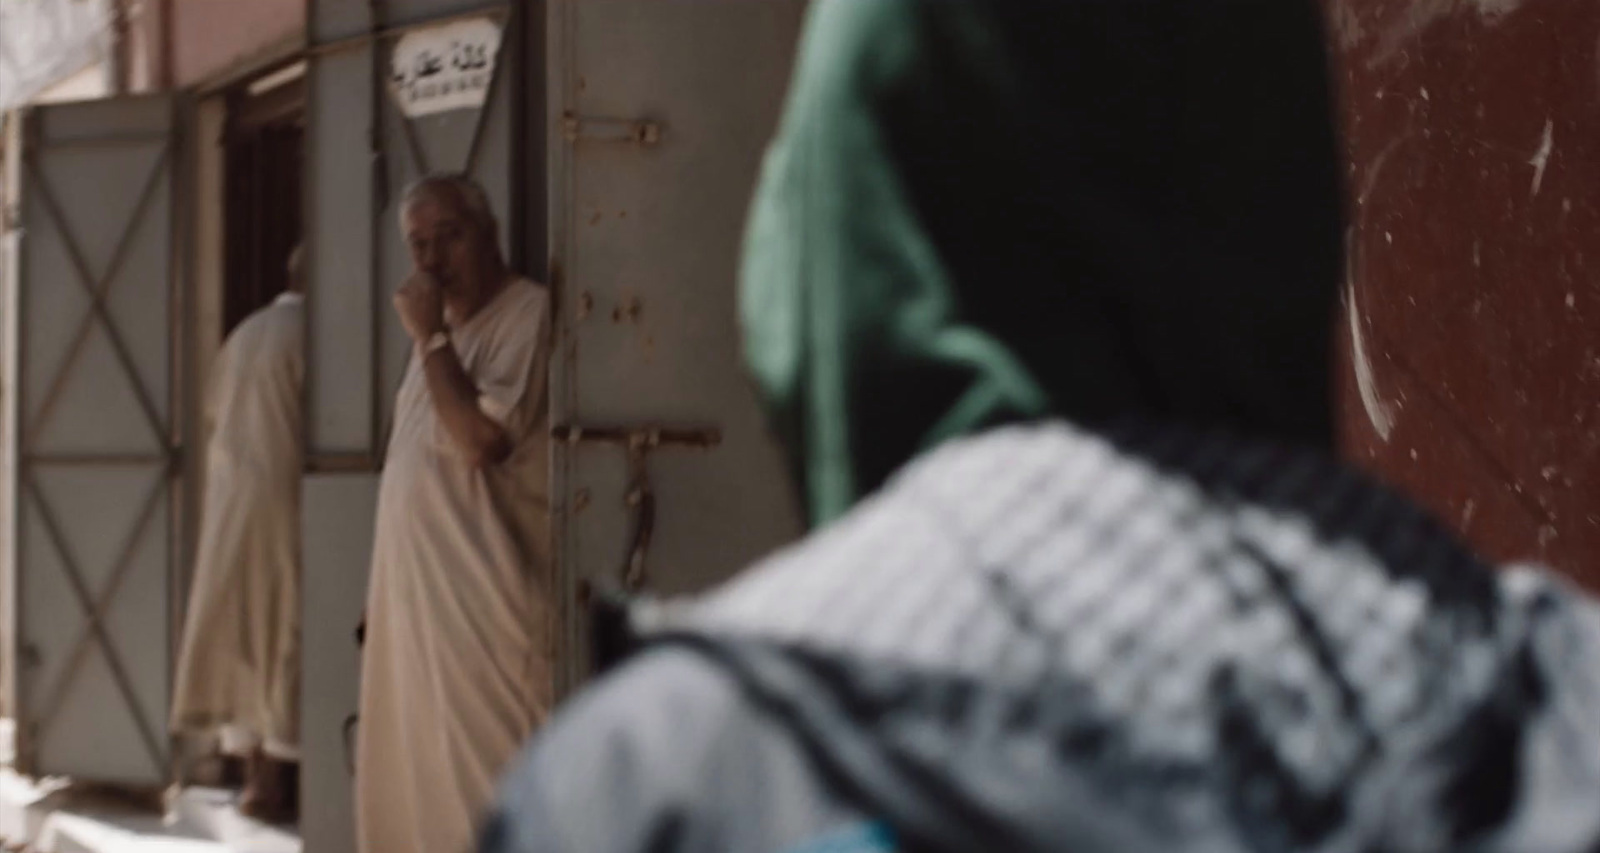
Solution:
(264, 164)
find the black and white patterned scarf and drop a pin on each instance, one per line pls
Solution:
(1043, 637)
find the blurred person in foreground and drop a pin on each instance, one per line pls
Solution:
(456, 664)
(238, 670)
(1040, 295)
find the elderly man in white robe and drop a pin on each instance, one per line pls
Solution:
(457, 663)
(239, 668)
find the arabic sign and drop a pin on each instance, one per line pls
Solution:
(444, 68)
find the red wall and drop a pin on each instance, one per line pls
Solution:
(209, 36)
(1473, 136)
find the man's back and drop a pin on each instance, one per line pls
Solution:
(1155, 641)
(256, 392)
(239, 665)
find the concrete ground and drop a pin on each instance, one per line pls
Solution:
(54, 816)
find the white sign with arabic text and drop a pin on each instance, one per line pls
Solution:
(444, 68)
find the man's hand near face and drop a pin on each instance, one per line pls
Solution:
(420, 304)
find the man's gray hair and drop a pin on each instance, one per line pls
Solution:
(468, 194)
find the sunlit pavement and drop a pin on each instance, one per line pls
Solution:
(54, 817)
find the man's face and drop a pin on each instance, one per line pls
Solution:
(444, 243)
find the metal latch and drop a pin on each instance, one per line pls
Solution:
(599, 129)
(639, 442)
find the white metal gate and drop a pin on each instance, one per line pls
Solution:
(94, 332)
(659, 112)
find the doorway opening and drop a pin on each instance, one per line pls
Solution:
(249, 218)
(264, 162)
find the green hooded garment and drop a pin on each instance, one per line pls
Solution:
(960, 225)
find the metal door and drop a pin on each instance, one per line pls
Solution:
(1472, 371)
(92, 338)
(361, 151)
(658, 114)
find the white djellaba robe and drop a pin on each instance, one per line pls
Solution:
(239, 665)
(457, 669)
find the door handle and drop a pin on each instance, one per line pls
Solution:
(639, 442)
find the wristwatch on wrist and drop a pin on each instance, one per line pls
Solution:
(437, 341)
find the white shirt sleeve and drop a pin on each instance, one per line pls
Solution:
(511, 377)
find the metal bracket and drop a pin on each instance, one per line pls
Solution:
(576, 128)
(639, 442)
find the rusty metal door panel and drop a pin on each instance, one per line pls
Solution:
(96, 443)
(658, 114)
(1473, 338)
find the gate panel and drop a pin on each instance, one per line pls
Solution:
(337, 511)
(659, 114)
(95, 440)
(338, 177)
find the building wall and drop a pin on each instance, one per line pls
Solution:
(93, 81)
(1472, 376)
(212, 36)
